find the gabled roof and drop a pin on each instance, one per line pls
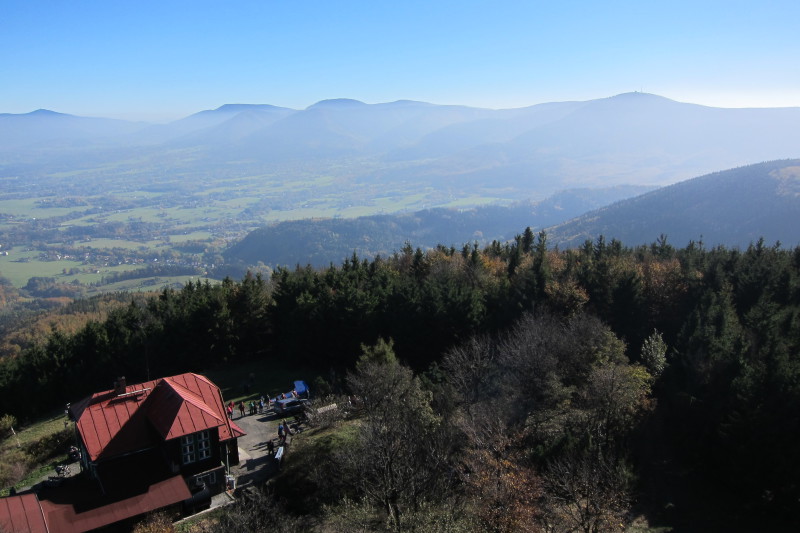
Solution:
(115, 423)
(66, 518)
(22, 514)
(175, 411)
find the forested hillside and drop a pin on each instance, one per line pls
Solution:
(553, 389)
(322, 241)
(733, 207)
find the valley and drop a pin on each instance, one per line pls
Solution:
(86, 203)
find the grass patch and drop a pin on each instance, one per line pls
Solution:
(473, 201)
(206, 521)
(192, 236)
(340, 436)
(19, 207)
(33, 453)
(147, 284)
(145, 214)
(53, 423)
(312, 474)
(19, 272)
(107, 244)
(92, 276)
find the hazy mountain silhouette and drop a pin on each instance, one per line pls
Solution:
(48, 129)
(632, 138)
(201, 128)
(345, 128)
(498, 127)
(734, 207)
(511, 154)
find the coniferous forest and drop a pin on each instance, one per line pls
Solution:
(518, 387)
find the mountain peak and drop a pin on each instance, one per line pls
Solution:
(639, 96)
(335, 103)
(45, 113)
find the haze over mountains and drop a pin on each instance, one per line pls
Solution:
(221, 173)
(632, 138)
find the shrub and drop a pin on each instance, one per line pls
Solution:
(155, 523)
(14, 467)
(7, 422)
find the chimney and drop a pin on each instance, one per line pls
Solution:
(119, 386)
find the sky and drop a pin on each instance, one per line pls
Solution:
(163, 60)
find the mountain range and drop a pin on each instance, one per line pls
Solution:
(530, 152)
(421, 169)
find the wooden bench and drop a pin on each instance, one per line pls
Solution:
(326, 408)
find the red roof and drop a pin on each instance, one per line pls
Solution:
(112, 423)
(64, 518)
(22, 514)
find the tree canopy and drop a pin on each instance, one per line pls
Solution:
(674, 371)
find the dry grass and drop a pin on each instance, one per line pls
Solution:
(31, 453)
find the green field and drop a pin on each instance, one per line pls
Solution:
(128, 211)
(107, 244)
(193, 236)
(147, 284)
(18, 272)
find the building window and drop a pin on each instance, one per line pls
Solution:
(209, 479)
(203, 445)
(196, 447)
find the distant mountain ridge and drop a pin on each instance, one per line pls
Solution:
(734, 207)
(449, 154)
(44, 128)
(629, 138)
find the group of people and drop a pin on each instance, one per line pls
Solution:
(252, 407)
(283, 431)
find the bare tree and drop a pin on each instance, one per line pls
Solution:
(257, 511)
(472, 369)
(585, 491)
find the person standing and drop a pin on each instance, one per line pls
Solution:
(241, 409)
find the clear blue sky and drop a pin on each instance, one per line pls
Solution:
(166, 59)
